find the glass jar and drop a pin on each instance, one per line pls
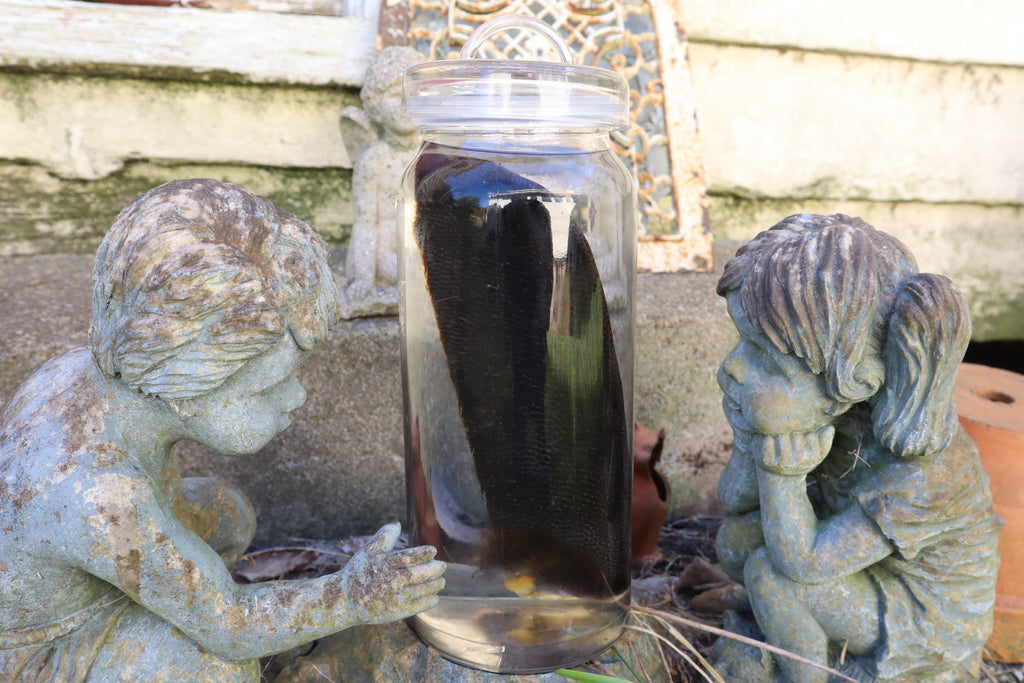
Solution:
(517, 277)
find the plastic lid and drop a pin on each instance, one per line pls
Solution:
(496, 94)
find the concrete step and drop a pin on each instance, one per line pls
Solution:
(339, 470)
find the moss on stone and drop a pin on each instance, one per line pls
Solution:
(980, 247)
(740, 218)
(23, 79)
(41, 213)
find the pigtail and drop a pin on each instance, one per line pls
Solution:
(928, 330)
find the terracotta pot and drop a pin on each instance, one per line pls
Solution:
(650, 493)
(990, 403)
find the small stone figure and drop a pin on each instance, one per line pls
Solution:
(112, 567)
(844, 371)
(383, 143)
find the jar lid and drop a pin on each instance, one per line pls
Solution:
(493, 94)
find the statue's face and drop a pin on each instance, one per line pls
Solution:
(243, 414)
(386, 108)
(766, 391)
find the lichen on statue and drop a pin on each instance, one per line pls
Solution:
(863, 520)
(206, 300)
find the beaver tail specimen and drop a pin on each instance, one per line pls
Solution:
(525, 329)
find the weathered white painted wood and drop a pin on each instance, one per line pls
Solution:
(967, 31)
(803, 124)
(87, 128)
(259, 47)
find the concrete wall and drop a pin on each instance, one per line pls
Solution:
(909, 114)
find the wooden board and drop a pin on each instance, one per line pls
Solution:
(185, 43)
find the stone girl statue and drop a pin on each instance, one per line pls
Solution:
(206, 300)
(844, 371)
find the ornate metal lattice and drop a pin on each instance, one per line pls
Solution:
(615, 34)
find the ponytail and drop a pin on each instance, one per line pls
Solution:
(927, 333)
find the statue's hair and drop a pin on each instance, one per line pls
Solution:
(848, 300)
(928, 332)
(197, 277)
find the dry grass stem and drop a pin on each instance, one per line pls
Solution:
(704, 667)
(704, 672)
(691, 623)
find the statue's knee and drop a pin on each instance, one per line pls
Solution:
(762, 580)
(737, 538)
(220, 514)
(144, 647)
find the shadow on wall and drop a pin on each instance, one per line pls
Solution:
(1008, 354)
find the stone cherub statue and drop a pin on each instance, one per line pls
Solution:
(843, 379)
(383, 142)
(112, 567)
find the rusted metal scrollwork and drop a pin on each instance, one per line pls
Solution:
(644, 41)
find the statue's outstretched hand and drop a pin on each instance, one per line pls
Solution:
(383, 585)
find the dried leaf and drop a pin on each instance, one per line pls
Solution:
(701, 574)
(653, 588)
(718, 600)
(266, 565)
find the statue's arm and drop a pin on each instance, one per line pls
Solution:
(138, 545)
(737, 486)
(361, 261)
(809, 551)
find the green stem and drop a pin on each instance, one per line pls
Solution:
(584, 677)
